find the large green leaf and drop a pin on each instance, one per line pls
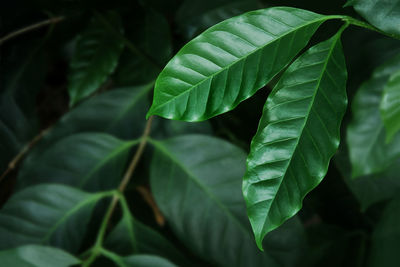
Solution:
(91, 161)
(369, 153)
(119, 112)
(95, 58)
(297, 135)
(196, 181)
(47, 214)
(230, 61)
(36, 256)
(130, 236)
(390, 106)
(383, 14)
(385, 246)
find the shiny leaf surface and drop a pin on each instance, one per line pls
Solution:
(366, 137)
(36, 256)
(230, 61)
(297, 135)
(95, 58)
(196, 183)
(390, 106)
(48, 214)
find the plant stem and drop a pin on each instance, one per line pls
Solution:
(14, 162)
(95, 251)
(30, 28)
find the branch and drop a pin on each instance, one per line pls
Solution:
(96, 250)
(22, 153)
(30, 28)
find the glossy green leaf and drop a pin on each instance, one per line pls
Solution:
(96, 55)
(385, 246)
(47, 214)
(36, 256)
(390, 106)
(196, 181)
(383, 14)
(146, 261)
(369, 153)
(130, 236)
(297, 136)
(230, 61)
(91, 161)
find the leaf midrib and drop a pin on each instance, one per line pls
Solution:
(160, 147)
(305, 122)
(322, 19)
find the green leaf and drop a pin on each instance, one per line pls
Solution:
(131, 236)
(90, 161)
(196, 181)
(112, 112)
(297, 135)
(369, 153)
(95, 58)
(383, 14)
(230, 61)
(385, 246)
(390, 106)
(146, 261)
(47, 214)
(36, 256)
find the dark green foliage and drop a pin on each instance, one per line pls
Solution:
(88, 180)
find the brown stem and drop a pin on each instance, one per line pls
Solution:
(148, 197)
(30, 28)
(22, 153)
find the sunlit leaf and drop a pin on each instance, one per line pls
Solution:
(230, 61)
(297, 136)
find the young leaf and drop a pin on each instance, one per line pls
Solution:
(229, 62)
(96, 56)
(90, 161)
(369, 153)
(36, 256)
(297, 135)
(196, 183)
(383, 14)
(47, 214)
(390, 106)
(385, 238)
